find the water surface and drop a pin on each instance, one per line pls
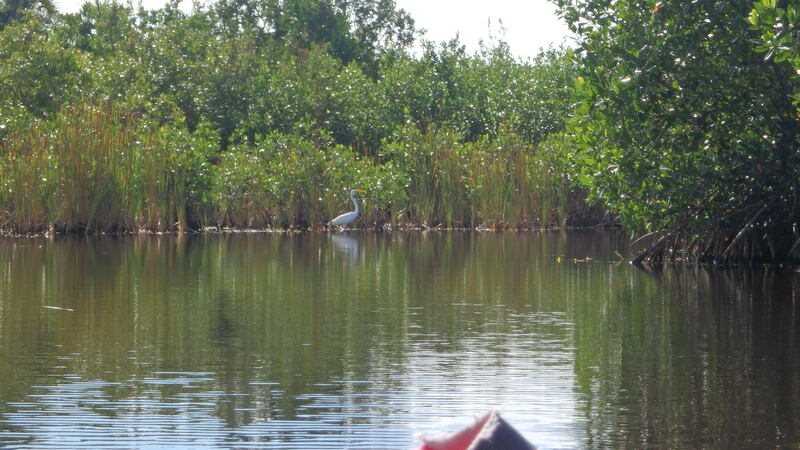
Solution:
(361, 340)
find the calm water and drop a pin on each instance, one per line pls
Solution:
(364, 339)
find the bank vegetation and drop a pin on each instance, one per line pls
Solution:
(264, 114)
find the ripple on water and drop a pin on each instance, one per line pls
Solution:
(439, 387)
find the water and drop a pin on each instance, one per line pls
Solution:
(361, 340)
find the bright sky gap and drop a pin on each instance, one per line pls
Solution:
(527, 26)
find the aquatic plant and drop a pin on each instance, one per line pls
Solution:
(289, 181)
(493, 183)
(98, 169)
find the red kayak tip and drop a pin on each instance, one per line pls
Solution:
(489, 432)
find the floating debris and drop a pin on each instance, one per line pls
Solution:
(58, 308)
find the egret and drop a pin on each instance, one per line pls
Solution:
(348, 218)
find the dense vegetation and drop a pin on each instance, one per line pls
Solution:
(265, 113)
(688, 125)
(680, 118)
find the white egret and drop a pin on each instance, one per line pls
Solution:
(348, 218)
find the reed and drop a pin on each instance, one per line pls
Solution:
(286, 181)
(29, 182)
(96, 169)
(172, 174)
(494, 183)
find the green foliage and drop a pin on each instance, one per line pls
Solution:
(493, 183)
(264, 114)
(37, 75)
(99, 169)
(102, 28)
(289, 181)
(174, 177)
(684, 127)
(355, 31)
(779, 25)
(320, 90)
(11, 10)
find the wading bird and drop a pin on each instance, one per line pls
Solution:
(348, 218)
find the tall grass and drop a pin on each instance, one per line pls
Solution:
(287, 181)
(96, 169)
(435, 164)
(493, 183)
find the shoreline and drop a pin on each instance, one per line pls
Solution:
(224, 230)
(631, 259)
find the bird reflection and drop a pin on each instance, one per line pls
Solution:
(347, 246)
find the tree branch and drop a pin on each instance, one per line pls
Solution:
(742, 232)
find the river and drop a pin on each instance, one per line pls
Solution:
(363, 339)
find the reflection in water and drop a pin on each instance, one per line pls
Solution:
(716, 361)
(348, 339)
(346, 245)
